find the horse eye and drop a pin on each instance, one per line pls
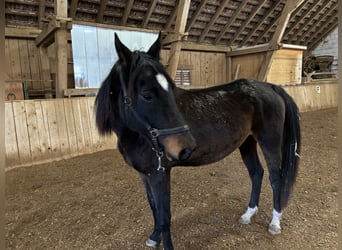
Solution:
(146, 97)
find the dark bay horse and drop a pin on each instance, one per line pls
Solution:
(159, 125)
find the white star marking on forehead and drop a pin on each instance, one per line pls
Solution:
(162, 81)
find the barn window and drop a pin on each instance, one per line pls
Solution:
(183, 77)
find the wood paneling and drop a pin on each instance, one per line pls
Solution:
(207, 68)
(46, 130)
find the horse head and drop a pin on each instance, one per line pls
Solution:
(147, 103)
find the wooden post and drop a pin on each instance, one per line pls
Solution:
(283, 20)
(182, 15)
(61, 42)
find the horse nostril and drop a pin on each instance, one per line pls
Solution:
(184, 154)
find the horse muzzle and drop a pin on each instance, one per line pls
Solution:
(178, 147)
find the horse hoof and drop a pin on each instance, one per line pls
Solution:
(274, 229)
(152, 243)
(243, 220)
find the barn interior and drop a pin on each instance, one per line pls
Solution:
(205, 43)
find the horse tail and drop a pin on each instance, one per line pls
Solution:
(290, 146)
(104, 106)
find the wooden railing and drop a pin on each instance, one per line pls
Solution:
(45, 130)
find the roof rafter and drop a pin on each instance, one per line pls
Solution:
(73, 8)
(195, 15)
(149, 13)
(231, 20)
(213, 19)
(260, 22)
(250, 18)
(126, 12)
(41, 13)
(321, 17)
(301, 18)
(100, 14)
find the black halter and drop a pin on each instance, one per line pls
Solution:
(153, 132)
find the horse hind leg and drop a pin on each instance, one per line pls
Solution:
(271, 148)
(248, 151)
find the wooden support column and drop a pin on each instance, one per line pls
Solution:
(182, 16)
(282, 22)
(61, 42)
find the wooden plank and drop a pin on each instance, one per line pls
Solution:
(44, 65)
(33, 54)
(43, 130)
(62, 127)
(50, 114)
(15, 59)
(95, 138)
(24, 62)
(21, 32)
(22, 133)
(85, 125)
(70, 124)
(32, 129)
(12, 151)
(78, 124)
(8, 68)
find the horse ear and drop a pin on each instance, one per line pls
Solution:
(124, 53)
(154, 50)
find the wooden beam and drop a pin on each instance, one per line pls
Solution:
(251, 50)
(182, 16)
(195, 15)
(73, 8)
(126, 12)
(61, 42)
(171, 17)
(149, 13)
(41, 13)
(205, 47)
(283, 20)
(265, 66)
(213, 20)
(231, 20)
(46, 37)
(22, 32)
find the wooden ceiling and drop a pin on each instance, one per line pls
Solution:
(236, 23)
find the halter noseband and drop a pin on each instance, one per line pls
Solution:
(153, 132)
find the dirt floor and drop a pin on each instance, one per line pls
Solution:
(97, 202)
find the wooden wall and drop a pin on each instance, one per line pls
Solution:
(207, 68)
(308, 98)
(25, 62)
(286, 67)
(247, 66)
(45, 130)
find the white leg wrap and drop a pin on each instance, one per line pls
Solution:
(152, 243)
(246, 217)
(274, 227)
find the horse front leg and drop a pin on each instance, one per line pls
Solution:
(154, 239)
(158, 192)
